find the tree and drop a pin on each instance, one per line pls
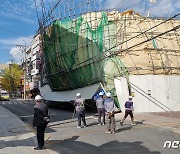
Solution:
(11, 78)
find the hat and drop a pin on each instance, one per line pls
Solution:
(130, 97)
(38, 97)
(101, 94)
(78, 94)
(108, 94)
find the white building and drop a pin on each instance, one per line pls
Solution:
(35, 61)
(32, 63)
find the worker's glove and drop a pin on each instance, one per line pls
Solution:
(46, 119)
(110, 114)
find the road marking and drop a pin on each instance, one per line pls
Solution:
(176, 130)
(26, 116)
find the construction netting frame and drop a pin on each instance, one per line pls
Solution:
(74, 52)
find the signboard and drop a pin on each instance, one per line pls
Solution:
(34, 71)
(96, 95)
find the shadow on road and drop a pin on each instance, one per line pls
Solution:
(123, 129)
(73, 145)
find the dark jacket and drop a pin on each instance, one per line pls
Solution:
(40, 112)
(128, 105)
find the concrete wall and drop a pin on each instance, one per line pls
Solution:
(164, 89)
(164, 92)
(121, 90)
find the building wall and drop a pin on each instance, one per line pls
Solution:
(121, 90)
(35, 55)
(164, 91)
(35, 60)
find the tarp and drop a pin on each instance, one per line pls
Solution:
(65, 96)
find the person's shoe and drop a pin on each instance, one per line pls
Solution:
(84, 126)
(121, 123)
(99, 124)
(133, 124)
(113, 132)
(108, 132)
(78, 126)
(103, 124)
(38, 148)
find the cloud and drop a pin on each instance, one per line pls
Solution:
(24, 11)
(18, 17)
(17, 41)
(5, 47)
(15, 52)
(19, 10)
(162, 8)
(165, 8)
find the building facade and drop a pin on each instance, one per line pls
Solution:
(31, 67)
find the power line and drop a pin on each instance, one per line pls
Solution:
(106, 54)
(94, 59)
(11, 31)
(135, 86)
(145, 94)
(36, 9)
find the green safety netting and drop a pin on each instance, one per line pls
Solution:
(74, 54)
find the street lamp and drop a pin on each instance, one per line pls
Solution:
(23, 49)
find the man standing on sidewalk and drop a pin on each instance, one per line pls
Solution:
(80, 110)
(40, 120)
(110, 108)
(100, 108)
(128, 111)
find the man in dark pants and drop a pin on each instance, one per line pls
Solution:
(100, 108)
(80, 109)
(110, 108)
(128, 111)
(40, 120)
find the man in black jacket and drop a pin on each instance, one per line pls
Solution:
(40, 120)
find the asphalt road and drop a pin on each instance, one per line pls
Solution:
(24, 110)
(139, 139)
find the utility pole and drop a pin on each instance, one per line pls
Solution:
(23, 49)
(12, 78)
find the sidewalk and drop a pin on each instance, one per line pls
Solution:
(167, 120)
(66, 138)
(16, 141)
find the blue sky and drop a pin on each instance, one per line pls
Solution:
(19, 21)
(18, 25)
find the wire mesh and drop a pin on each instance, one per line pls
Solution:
(82, 39)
